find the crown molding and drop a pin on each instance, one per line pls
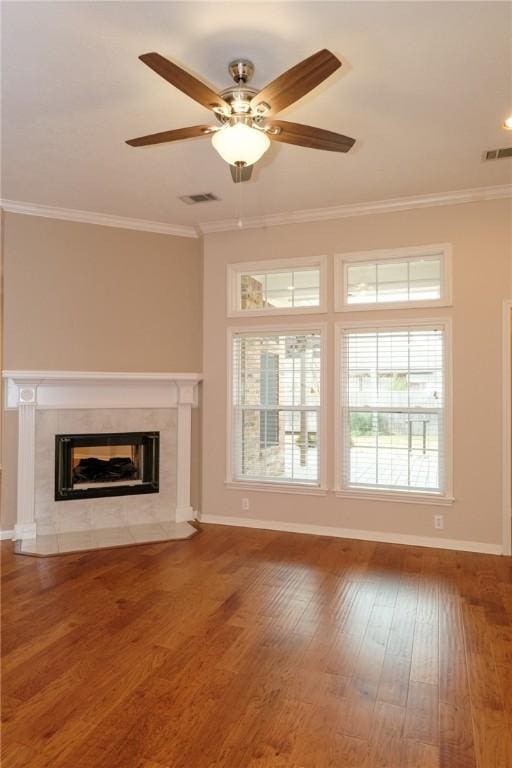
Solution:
(92, 217)
(255, 222)
(360, 209)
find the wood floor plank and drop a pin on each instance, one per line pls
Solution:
(425, 654)
(416, 754)
(456, 748)
(394, 680)
(243, 648)
(385, 740)
(16, 755)
(453, 677)
(422, 718)
(359, 703)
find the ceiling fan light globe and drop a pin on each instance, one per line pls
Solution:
(240, 144)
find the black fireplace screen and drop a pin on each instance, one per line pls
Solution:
(113, 464)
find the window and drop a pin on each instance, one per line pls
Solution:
(393, 408)
(276, 287)
(275, 407)
(405, 276)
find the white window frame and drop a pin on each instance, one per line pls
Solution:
(281, 486)
(235, 272)
(343, 260)
(443, 498)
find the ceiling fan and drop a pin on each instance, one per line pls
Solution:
(246, 115)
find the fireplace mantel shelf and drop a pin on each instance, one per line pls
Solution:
(99, 389)
(112, 375)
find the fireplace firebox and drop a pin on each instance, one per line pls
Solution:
(113, 464)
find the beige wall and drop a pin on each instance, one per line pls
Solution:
(1, 341)
(87, 297)
(481, 237)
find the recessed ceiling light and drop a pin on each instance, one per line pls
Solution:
(508, 123)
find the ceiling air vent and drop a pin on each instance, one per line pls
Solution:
(498, 154)
(203, 197)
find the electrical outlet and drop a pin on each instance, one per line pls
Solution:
(245, 505)
(439, 522)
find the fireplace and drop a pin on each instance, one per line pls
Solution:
(71, 403)
(111, 464)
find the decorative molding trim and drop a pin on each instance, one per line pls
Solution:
(184, 511)
(360, 209)
(25, 525)
(7, 534)
(93, 217)
(352, 533)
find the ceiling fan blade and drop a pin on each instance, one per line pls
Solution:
(176, 135)
(307, 136)
(186, 83)
(240, 174)
(296, 82)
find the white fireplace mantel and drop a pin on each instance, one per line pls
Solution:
(28, 391)
(93, 389)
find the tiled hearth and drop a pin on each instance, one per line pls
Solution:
(52, 405)
(103, 538)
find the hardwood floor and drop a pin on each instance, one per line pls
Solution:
(243, 648)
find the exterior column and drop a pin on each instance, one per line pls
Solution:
(25, 527)
(186, 400)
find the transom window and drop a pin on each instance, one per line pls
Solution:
(276, 287)
(276, 400)
(405, 276)
(393, 392)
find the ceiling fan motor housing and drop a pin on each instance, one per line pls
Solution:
(241, 70)
(239, 99)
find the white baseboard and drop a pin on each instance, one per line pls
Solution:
(6, 535)
(352, 533)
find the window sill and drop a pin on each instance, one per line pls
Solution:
(343, 308)
(314, 310)
(306, 490)
(403, 497)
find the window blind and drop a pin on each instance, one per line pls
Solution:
(276, 405)
(393, 384)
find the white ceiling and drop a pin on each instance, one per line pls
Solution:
(424, 89)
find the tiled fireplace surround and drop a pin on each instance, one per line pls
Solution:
(57, 402)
